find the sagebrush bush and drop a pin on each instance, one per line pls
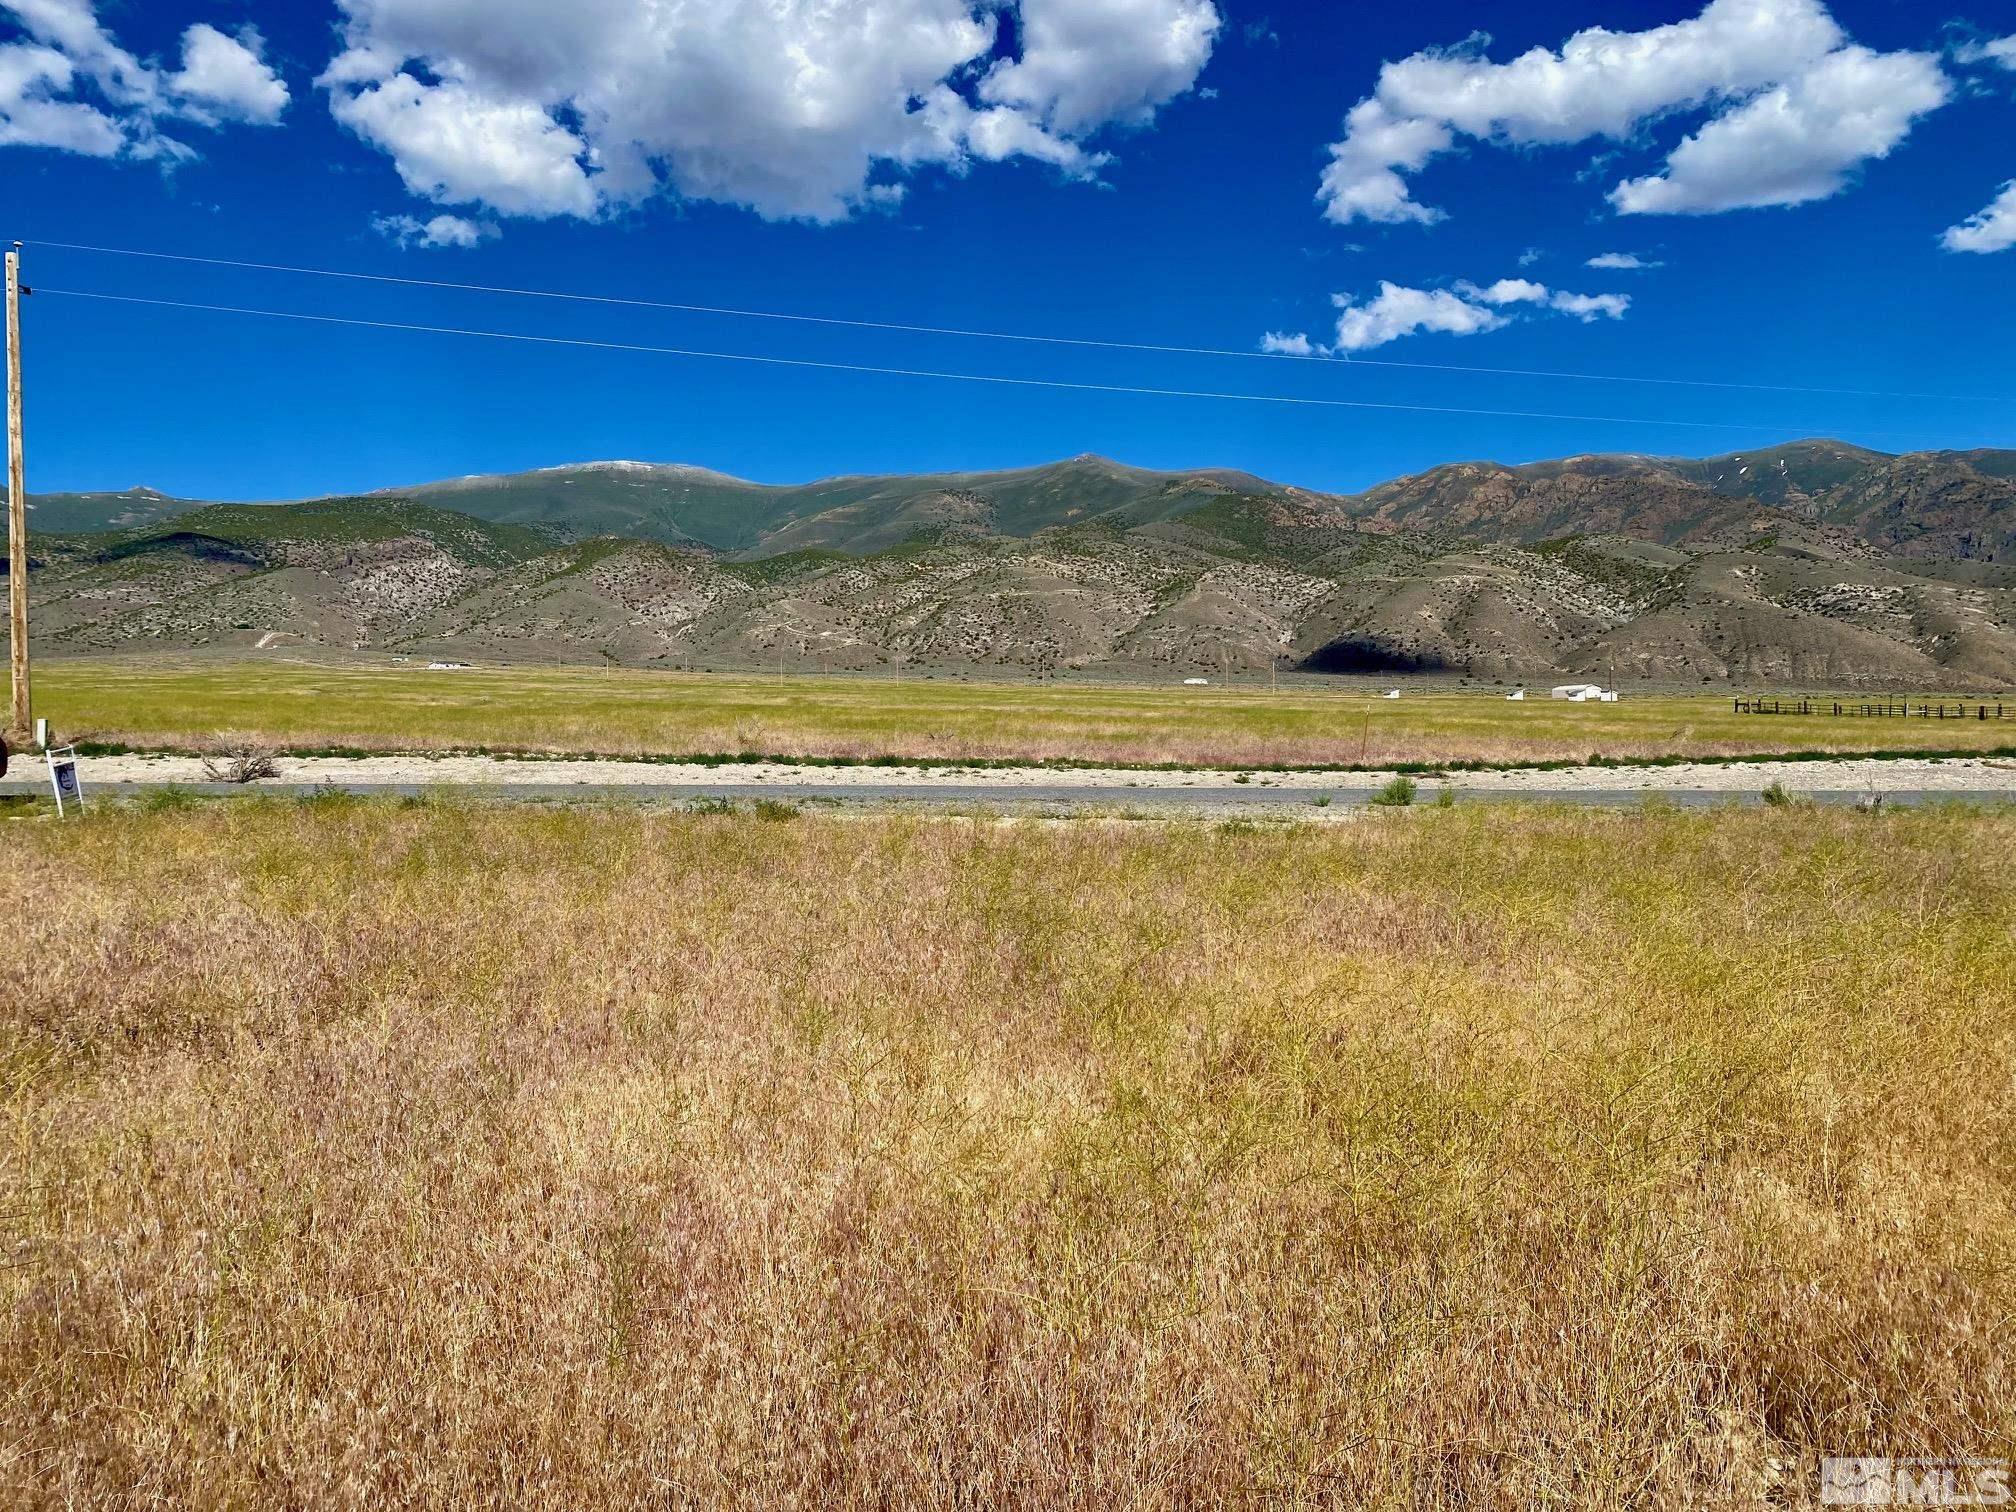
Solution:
(1398, 793)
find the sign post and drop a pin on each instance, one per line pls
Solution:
(17, 504)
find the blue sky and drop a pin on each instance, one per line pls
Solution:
(1812, 191)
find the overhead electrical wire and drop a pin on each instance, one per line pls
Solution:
(891, 372)
(1161, 349)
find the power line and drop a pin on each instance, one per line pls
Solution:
(895, 372)
(1017, 336)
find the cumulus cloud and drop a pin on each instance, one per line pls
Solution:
(1396, 311)
(1087, 63)
(1620, 262)
(1794, 108)
(225, 78)
(1363, 180)
(1467, 309)
(440, 231)
(1505, 291)
(71, 27)
(67, 84)
(1281, 344)
(2000, 50)
(796, 109)
(1992, 229)
(459, 145)
(1586, 307)
(35, 111)
(1796, 143)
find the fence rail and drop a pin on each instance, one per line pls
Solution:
(1868, 710)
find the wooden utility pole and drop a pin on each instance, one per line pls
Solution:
(17, 502)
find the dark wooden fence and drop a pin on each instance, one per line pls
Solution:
(1866, 710)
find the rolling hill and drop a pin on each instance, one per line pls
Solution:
(1813, 563)
(681, 505)
(129, 509)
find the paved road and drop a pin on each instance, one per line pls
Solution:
(1172, 800)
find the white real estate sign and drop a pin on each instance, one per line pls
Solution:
(63, 778)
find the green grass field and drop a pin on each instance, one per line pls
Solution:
(364, 1153)
(306, 705)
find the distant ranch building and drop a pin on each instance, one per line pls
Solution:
(1583, 693)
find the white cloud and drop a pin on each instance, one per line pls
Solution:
(33, 114)
(71, 28)
(1396, 311)
(1281, 344)
(1506, 291)
(1620, 262)
(1530, 256)
(1586, 307)
(440, 231)
(1992, 229)
(1796, 143)
(2000, 50)
(225, 78)
(1086, 63)
(1467, 309)
(71, 87)
(1363, 180)
(454, 144)
(1794, 108)
(1001, 133)
(805, 109)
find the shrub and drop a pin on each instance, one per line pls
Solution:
(1398, 793)
(240, 760)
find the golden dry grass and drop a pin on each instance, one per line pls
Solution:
(428, 1155)
(183, 703)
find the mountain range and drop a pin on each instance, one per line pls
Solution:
(1814, 563)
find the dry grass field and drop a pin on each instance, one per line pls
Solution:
(364, 1153)
(171, 702)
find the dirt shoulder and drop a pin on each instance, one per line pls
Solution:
(1947, 774)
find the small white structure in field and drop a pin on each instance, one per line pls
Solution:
(1196, 682)
(447, 666)
(1609, 695)
(1517, 695)
(1578, 692)
(1390, 693)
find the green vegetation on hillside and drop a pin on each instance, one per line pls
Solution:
(1600, 562)
(686, 504)
(779, 568)
(1896, 572)
(258, 531)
